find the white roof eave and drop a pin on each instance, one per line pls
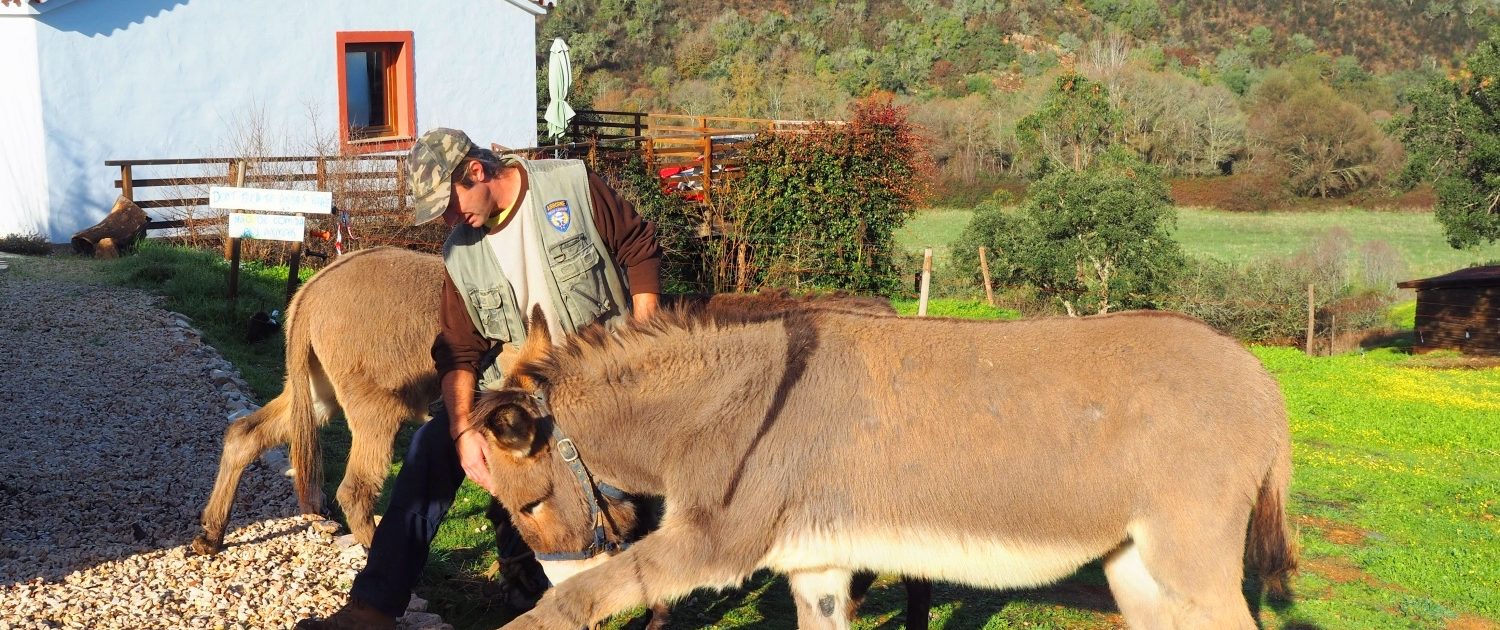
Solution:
(529, 6)
(27, 9)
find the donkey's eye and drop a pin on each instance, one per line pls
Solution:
(530, 509)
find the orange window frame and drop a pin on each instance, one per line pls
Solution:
(401, 94)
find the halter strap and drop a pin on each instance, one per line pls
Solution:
(568, 451)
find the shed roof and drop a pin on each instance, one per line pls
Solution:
(1471, 277)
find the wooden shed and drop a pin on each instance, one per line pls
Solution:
(1459, 311)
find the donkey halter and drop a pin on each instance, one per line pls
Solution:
(593, 490)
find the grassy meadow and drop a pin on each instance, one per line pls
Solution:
(1239, 237)
(1396, 487)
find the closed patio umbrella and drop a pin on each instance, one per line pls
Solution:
(559, 79)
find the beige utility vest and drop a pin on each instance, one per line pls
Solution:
(584, 283)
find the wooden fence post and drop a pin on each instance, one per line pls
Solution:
(926, 281)
(234, 271)
(708, 169)
(293, 269)
(127, 187)
(984, 269)
(232, 246)
(1309, 319)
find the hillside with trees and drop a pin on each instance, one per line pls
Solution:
(1293, 98)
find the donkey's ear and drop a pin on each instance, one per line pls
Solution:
(536, 327)
(538, 338)
(507, 418)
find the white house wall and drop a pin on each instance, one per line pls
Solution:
(140, 79)
(23, 171)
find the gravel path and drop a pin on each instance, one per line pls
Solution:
(112, 413)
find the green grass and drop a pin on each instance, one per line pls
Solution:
(949, 307)
(1396, 488)
(195, 283)
(935, 228)
(1241, 237)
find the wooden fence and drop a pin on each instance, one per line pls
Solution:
(693, 156)
(184, 184)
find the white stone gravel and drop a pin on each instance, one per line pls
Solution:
(112, 413)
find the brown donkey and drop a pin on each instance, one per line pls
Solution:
(816, 444)
(358, 339)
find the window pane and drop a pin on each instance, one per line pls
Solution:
(357, 72)
(376, 71)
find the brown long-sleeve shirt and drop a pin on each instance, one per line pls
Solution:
(630, 239)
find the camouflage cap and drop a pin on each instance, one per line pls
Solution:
(429, 170)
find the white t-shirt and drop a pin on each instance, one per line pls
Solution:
(523, 262)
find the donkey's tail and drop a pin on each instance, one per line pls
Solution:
(1271, 544)
(302, 417)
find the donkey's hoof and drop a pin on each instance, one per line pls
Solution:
(202, 546)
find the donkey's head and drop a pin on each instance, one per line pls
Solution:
(538, 474)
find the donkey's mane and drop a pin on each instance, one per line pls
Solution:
(595, 338)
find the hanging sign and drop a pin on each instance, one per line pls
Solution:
(270, 200)
(267, 227)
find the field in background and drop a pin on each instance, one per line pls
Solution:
(1241, 237)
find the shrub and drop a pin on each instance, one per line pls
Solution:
(1256, 192)
(819, 209)
(1094, 240)
(31, 244)
(1266, 301)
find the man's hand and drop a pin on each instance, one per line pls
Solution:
(471, 455)
(458, 397)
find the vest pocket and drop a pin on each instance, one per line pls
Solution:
(495, 313)
(579, 272)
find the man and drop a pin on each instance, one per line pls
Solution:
(544, 232)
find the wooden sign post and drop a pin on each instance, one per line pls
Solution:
(286, 222)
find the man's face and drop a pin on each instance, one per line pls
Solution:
(473, 204)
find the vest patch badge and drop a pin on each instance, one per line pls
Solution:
(559, 215)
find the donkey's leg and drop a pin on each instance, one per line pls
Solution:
(244, 440)
(374, 417)
(859, 587)
(918, 603)
(1196, 565)
(662, 567)
(1136, 592)
(822, 599)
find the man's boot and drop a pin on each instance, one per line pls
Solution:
(355, 615)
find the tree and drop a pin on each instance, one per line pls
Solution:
(1321, 144)
(1075, 124)
(1097, 239)
(1452, 137)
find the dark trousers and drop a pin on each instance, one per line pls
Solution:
(425, 487)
